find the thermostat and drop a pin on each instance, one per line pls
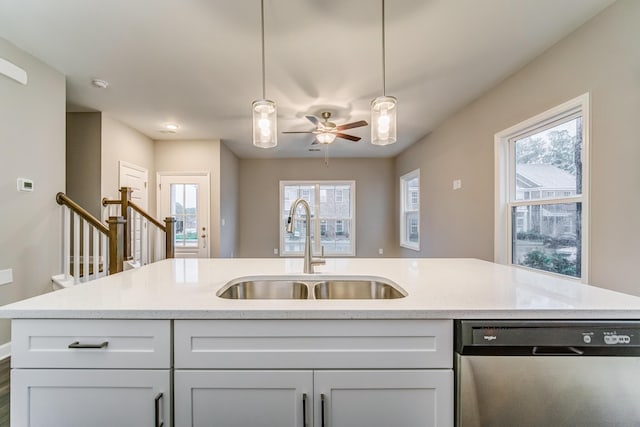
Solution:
(25, 184)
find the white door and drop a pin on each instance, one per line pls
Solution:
(136, 178)
(243, 398)
(90, 397)
(186, 198)
(381, 398)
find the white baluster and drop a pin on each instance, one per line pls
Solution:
(105, 254)
(76, 248)
(144, 248)
(96, 252)
(85, 251)
(66, 243)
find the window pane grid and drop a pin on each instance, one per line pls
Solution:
(545, 205)
(331, 218)
(410, 210)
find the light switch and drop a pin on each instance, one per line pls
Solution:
(6, 276)
(457, 184)
(275, 251)
(380, 251)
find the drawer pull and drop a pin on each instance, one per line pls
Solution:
(77, 344)
(158, 422)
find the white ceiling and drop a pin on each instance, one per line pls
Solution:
(197, 62)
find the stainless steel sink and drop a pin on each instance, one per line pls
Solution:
(356, 289)
(265, 289)
(324, 288)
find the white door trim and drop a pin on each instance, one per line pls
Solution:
(205, 174)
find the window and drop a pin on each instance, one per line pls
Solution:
(410, 210)
(542, 191)
(185, 210)
(332, 206)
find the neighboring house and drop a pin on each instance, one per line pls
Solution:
(540, 181)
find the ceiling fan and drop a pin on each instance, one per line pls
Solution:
(326, 132)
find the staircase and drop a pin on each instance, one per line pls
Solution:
(92, 249)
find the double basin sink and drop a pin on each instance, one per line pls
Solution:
(311, 288)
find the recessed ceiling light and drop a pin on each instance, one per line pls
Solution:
(99, 83)
(170, 128)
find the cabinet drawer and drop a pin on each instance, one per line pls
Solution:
(78, 343)
(313, 344)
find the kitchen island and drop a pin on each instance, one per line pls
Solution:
(156, 345)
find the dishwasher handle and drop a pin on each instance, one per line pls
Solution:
(556, 351)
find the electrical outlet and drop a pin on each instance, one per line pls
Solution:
(457, 184)
(275, 251)
(380, 251)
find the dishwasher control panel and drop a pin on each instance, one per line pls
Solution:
(548, 334)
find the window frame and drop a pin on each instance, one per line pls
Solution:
(316, 247)
(404, 196)
(504, 177)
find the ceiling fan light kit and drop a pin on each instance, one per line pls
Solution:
(326, 132)
(383, 108)
(265, 112)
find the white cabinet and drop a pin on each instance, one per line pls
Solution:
(242, 398)
(367, 398)
(78, 372)
(89, 397)
(342, 367)
(383, 398)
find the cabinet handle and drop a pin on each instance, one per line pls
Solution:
(158, 423)
(304, 409)
(322, 409)
(77, 344)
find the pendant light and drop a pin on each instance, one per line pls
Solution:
(383, 108)
(265, 113)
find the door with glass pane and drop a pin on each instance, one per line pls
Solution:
(186, 198)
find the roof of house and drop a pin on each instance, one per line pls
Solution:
(545, 176)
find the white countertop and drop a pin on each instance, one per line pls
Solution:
(437, 288)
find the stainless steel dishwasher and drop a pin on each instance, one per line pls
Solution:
(547, 373)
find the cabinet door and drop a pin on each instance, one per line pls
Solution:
(243, 398)
(381, 398)
(90, 397)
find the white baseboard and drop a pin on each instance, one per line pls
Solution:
(5, 350)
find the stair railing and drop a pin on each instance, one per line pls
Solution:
(148, 240)
(84, 261)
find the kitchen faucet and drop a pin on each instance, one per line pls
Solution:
(309, 261)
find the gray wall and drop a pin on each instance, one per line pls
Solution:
(259, 197)
(195, 156)
(602, 58)
(229, 203)
(120, 142)
(83, 160)
(32, 143)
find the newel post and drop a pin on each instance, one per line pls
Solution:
(125, 196)
(116, 243)
(170, 236)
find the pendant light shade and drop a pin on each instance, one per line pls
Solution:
(383, 120)
(265, 123)
(265, 113)
(383, 108)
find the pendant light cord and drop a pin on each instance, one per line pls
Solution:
(384, 77)
(264, 96)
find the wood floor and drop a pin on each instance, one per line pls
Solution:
(5, 371)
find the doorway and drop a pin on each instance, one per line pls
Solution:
(186, 197)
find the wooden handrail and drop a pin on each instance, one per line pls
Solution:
(147, 216)
(63, 199)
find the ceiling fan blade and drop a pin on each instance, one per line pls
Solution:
(349, 137)
(352, 125)
(315, 142)
(309, 131)
(314, 120)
